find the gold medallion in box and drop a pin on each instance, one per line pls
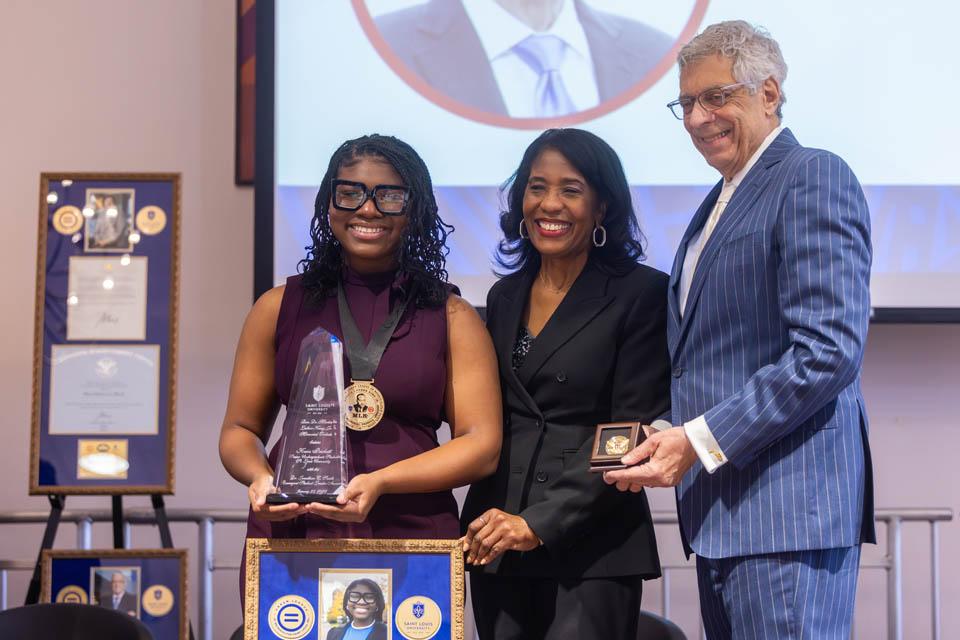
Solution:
(612, 441)
(365, 405)
(617, 446)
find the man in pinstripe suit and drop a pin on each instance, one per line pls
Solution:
(768, 314)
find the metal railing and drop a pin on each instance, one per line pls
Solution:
(892, 562)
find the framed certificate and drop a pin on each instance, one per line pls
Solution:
(399, 589)
(150, 585)
(104, 382)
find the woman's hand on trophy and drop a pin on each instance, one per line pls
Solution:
(262, 486)
(355, 502)
(493, 533)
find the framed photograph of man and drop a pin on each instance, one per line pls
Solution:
(109, 220)
(338, 589)
(105, 334)
(148, 584)
(116, 588)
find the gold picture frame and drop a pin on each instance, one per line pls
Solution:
(128, 557)
(105, 182)
(258, 546)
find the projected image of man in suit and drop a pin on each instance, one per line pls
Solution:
(523, 58)
(769, 304)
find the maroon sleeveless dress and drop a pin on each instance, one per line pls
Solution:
(412, 377)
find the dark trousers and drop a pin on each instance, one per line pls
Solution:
(515, 608)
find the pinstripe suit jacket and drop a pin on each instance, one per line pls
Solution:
(769, 350)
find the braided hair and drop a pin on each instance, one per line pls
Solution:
(422, 252)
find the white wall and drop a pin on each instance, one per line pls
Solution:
(115, 85)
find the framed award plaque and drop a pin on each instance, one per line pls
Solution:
(105, 334)
(150, 585)
(399, 589)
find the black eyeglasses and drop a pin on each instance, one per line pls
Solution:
(357, 596)
(710, 100)
(389, 199)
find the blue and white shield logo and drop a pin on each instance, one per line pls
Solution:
(418, 609)
(318, 392)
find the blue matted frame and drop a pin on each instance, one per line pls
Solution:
(53, 458)
(280, 569)
(63, 570)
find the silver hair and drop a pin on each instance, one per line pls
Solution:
(756, 55)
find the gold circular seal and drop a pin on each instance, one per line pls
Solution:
(617, 446)
(291, 617)
(67, 220)
(418, 618)
(72, 594)
(151, 220)
(365, 405)
(157, 600)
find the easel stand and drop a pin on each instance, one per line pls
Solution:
(116, 503)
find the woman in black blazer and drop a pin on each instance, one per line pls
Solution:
(580, 333)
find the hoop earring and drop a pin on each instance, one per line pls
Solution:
(603, 230)
(525, 237)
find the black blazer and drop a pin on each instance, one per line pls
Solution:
(128, 602)
(601, 357)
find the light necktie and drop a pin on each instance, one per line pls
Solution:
(725, 194)
(544, 55)
(713, 220)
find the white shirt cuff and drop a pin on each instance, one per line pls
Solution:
(703, 442)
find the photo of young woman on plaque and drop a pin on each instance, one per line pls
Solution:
(416, 355)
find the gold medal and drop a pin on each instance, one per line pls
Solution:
(151, 220)
(617, 446)
(365, 405)
(67, 220)
(157, 600)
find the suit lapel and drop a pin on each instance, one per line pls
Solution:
(699, 219)
(623, 52)
(511, 305)
(614, 64)
(586, 298)
(754, 183)
(452, 60)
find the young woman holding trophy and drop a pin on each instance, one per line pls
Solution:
(416, 355)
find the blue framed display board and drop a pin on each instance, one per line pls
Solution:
(399, 589)
(148, 584)
(105, 334)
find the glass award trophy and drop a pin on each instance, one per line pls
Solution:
(312, 466)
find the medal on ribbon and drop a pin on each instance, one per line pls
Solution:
(365, 405)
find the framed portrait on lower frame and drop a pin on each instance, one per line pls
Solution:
(148, 584)
(332, 589)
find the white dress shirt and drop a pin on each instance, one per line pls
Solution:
(697, 430)
(499, 31)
